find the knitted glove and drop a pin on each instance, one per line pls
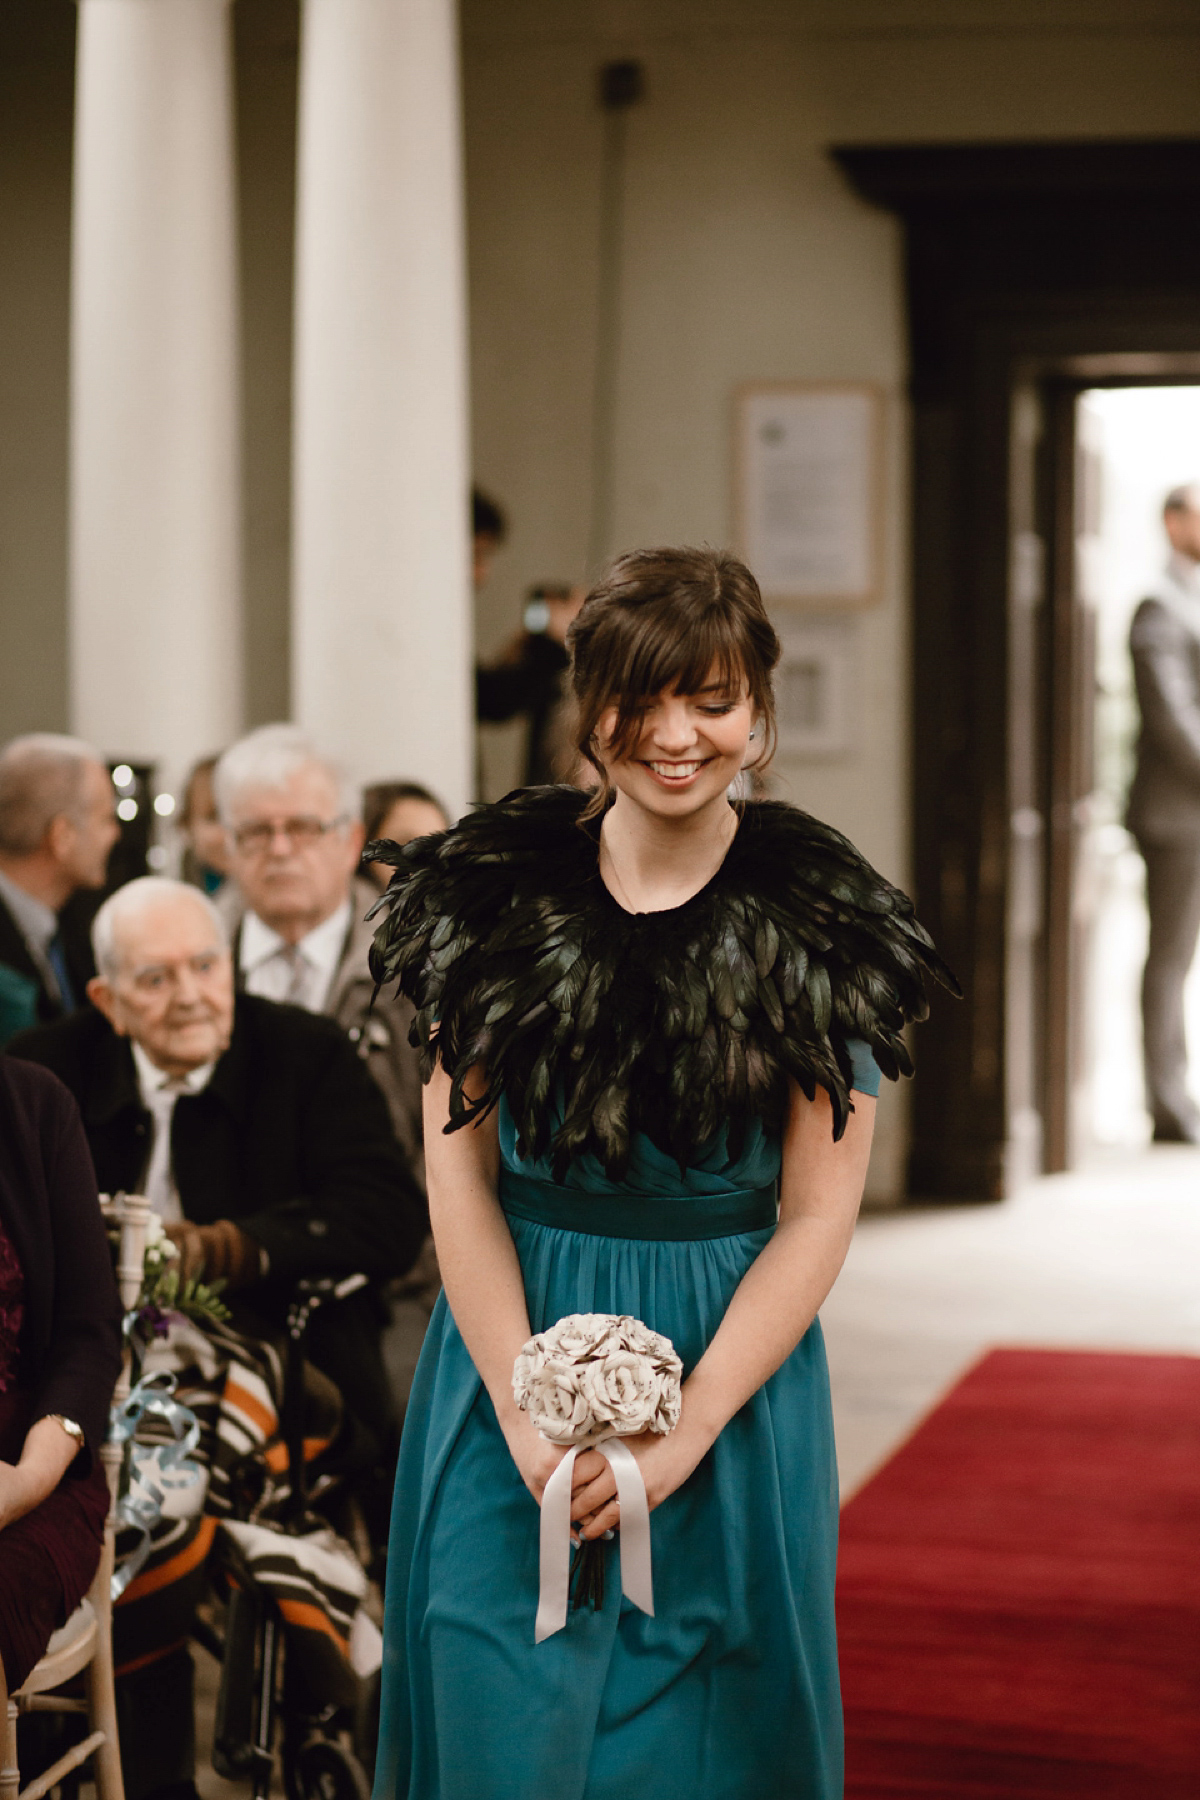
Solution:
(221, 1251)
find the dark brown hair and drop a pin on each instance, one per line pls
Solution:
(379, 799)
(663, 620)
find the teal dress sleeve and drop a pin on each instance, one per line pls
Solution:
(866, 1076)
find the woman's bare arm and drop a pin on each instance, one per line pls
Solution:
(48, 1453)
(480, 1269)
(774, 1305)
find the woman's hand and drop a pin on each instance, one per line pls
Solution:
(48, 1453)
(665, 1462)
(536, 1459)
(14, 1494)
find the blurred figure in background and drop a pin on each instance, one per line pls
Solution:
(295, 837)
(205, 852)
(529, 678)
(57, 826)
(489, 528)
(1164, 810)
(399, 811)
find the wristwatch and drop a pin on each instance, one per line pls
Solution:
(72, 1429)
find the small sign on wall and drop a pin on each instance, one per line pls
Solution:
(808, 490)
(814, 685)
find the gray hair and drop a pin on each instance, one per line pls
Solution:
(41, 779)
(1185, 498)
(268, 758)
(132, 899)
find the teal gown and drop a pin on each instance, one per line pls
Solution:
(730, 1692)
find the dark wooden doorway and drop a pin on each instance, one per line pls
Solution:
(1032, 271)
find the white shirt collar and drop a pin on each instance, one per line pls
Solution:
(153, 1081)
(322, 946)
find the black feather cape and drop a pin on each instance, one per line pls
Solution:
(597, 1023)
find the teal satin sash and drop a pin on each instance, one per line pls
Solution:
(675, 1218)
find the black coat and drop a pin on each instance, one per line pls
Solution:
(24, 996)
(291, 1138)
(71, 1332)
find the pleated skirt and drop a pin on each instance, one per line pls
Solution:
(730, 1692)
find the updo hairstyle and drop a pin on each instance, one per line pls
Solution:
(662, 620)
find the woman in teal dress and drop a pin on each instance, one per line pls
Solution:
(653, 1025)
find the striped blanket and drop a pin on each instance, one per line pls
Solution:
(233, 1384)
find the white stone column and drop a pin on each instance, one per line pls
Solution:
(381, 621)
(155, 619)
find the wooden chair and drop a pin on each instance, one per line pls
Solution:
(84, 1643)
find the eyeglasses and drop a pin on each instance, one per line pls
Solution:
(301, 834)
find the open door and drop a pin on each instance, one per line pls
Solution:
(1052, 677)
(1070, 735)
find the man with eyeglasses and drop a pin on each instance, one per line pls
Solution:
(295, 837)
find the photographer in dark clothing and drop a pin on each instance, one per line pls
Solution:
(530, 678)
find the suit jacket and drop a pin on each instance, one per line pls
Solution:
(290, 1138)
(1164, 640)
(70, 1342)
(378, 1032)
(25, 999)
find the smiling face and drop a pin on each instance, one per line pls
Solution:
(171, 986)
(685, 751)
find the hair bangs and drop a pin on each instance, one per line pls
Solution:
(678, 655)
(676, 621)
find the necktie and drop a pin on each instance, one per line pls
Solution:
(298, 965)
(56, 956)
(160, 1186)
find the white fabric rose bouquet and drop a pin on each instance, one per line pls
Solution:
(590, 1380)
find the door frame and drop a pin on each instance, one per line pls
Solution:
(1058, 266)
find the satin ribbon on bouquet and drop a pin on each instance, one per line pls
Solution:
(140, 1508)
(633, 1538)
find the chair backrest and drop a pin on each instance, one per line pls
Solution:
(131, 1215)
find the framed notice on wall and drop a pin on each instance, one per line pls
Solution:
(808, 490)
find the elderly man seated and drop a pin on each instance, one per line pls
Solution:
(253, 1129)
(259, 1137)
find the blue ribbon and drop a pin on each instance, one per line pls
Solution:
(140, 1508)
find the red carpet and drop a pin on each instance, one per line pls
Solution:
(1019, 1589)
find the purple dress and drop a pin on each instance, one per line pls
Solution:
(49, 1557)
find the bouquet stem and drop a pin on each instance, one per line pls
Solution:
(587, 1577)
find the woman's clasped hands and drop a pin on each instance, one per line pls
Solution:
(665, 1462)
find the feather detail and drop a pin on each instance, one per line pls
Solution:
(596, 1025)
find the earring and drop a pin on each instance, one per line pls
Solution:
(754, 734)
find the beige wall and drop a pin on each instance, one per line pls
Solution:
(36, 99)
(37, 40)
(266, 38)
(746, 257)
